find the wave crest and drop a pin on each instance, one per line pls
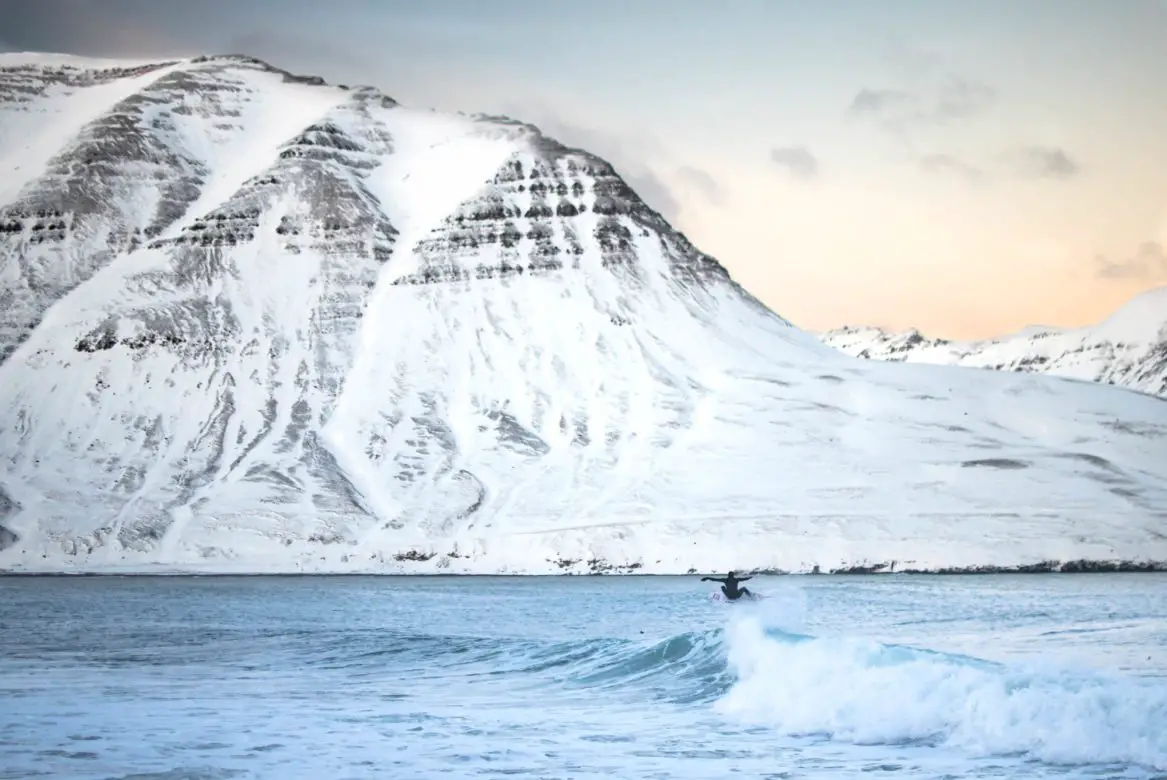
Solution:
(864, 692)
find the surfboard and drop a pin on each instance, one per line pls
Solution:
(719, 596)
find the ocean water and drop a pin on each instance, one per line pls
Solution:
(617, 677)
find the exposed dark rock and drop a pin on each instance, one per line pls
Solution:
(74, 219)
(1139, 366)
(1049, 567)
(1042, 567)
(601, 566)
(413, 555)
(543, 236)
(996, 463)
(865, 569)
(8, 507)
(24, 83)
(7, 538)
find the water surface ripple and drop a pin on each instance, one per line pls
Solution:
(617, 677)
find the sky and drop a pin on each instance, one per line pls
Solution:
(965, 168)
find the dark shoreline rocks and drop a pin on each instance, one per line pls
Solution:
(602, 569)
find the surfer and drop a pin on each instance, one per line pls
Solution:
(729, 586)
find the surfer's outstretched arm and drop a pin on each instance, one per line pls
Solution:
(713, 579)
(743, 579)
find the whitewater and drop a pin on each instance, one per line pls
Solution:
(635, 677)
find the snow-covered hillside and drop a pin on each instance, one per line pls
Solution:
(1128, 349)
(252, 322)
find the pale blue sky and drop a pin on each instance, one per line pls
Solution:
(958, 166)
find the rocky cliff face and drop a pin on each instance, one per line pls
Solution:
(268, 324)
(1128, 349)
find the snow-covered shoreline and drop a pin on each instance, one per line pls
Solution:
(1050, 568)
(921, 556)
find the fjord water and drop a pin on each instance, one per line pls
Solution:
(629, 677)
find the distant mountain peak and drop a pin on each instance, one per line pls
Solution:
(1128, 348)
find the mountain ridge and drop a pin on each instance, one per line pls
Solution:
(267, 324)
(1127, 349)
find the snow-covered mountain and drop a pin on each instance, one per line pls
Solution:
(1129, 348)
(253, 322)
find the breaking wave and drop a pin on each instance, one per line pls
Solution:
(797, 685)
(864, 692)
(844, 689)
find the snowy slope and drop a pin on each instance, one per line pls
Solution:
(1128, 349)
(100, 157)
(337, 334)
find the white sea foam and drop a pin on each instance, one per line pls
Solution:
(867, 693)
(581, 677)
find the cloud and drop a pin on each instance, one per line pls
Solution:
(948, 165)
(279, 49)
(654, 192)
(702, 181)
(1149, 262)
(797, 160)
(880, 102)
(962, 99)
(951, 99)
(1041, 162)
(922, 99)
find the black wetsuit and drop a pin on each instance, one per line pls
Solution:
(729, 586)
